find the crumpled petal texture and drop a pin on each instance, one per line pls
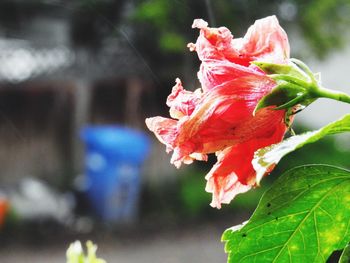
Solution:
(218, 118)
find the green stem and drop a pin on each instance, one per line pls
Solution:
(331, 94)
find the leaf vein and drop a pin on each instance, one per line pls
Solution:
(259, 252)
(272, 220)
(306, 217)
(326, 212)
(306, 189)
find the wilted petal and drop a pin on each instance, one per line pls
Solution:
(182, 154)
(182, 102)
(164, 129)
(215, 44)
(199, 23)
(225, 189)
(265, 40)
(234, 173)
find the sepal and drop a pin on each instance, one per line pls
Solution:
(296, 86)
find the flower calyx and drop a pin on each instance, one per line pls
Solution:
(296, 86)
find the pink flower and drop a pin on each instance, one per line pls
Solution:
(218, 118)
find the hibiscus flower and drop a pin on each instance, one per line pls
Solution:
(219, 117)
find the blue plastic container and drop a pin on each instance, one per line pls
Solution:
(113, 158)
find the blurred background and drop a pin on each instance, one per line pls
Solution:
(77, 80)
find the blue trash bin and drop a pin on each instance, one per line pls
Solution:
(113, 159)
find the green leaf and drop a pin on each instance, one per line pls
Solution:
(345, 256)
(266, 158)
(303, 217)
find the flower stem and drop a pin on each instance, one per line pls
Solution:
(331, 94)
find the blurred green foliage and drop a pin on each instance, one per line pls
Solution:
(192, 195)
(155, 12)
(172, 42)
(324, 24)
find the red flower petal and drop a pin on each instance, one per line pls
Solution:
(164, 129)
(182, 102)
(222, 114)
(214, 73)
(224, 58)
(265, 40)
(234, 173)
(220, 117)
